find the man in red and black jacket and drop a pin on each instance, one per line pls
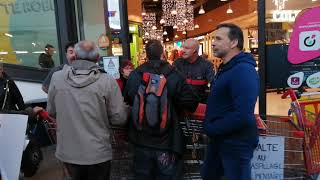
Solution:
(198, 71)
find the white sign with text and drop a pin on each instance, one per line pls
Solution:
(111, 66)
(268, 159)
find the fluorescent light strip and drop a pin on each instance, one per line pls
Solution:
(21, 52)
(7, 34)
(38, 52)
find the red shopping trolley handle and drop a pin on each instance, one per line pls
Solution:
(45, 115)
(291, 93)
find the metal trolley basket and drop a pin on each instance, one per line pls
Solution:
(305, 118)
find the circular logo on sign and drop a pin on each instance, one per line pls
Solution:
(310, 41)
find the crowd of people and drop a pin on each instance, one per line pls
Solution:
(150, 101)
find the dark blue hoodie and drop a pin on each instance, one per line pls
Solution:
(234, 92)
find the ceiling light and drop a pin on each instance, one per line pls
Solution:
(21, 52)
(165, 33)
(229, 10)
(143, 11)
(155, 0)
(146, 42)
(185, 21)
(191, 0)
(175, 27)
(196, 26)
(147, 34)
(201, 10)
(167, 39)
(38, 52)
(162, 21)
(7, 34)
(314, 0)
(174, 12)
(158, 37)
(3, 52)
(223, 0)
(184, 32)
(154, 27)
(176, 36)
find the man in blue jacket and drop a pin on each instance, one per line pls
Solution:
(230, 123)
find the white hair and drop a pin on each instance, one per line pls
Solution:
(86, 53)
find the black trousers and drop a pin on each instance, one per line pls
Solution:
(152, 164)
(88, 172)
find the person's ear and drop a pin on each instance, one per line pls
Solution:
(234, 43)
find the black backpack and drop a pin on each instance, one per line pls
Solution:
(151, 106)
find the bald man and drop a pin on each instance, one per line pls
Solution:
(198, 71)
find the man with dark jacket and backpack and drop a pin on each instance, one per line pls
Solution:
(158, 94)
(230, 121)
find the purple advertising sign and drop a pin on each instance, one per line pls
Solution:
(305, 39)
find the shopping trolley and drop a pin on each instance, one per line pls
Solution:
(50, 125)
(305, 116)
(196, 142)
(122, 155)
(275, 126)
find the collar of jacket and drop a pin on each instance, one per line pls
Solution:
(242, 57)
(84, 65)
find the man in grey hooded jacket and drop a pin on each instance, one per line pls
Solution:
(85, 102)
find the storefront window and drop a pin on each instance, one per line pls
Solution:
(280, 19)
(94, 27)
(93, 23)
(26, 27)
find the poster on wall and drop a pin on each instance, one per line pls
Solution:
(111, 66)
(11, 144)
(268, 159)
(114, 14)
(305, 39)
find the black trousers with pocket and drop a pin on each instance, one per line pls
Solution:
(99, 171)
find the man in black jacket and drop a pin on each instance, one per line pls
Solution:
(197, 70)
(45, 59)
(159, 157)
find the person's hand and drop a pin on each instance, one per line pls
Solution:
(37, 109)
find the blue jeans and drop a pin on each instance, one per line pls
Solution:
(153, 164)
(229, 160)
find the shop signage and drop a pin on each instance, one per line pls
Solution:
(103, 41)
(111, 66)
(313, 81)
(268, 159)
(27, 6)
(114, 14)
(285, 15)
(11, 144)
(295, 80)
(305, 39)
